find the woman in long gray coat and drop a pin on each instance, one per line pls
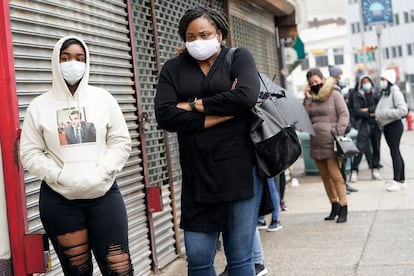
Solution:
(329, 114)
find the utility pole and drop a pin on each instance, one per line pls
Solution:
(361, 26)
(378, 31)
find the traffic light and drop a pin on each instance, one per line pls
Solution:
(370, 48)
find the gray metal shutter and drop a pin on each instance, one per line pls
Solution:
(36, 26)
(168, 237)
(254, 28)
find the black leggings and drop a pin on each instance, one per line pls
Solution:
(102, 223)
(392, 134)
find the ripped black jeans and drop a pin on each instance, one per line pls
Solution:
(79, 227)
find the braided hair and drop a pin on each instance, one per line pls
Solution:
(218, 19)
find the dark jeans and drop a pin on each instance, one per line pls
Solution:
(368, 143)
(104, 218)
(392, 134)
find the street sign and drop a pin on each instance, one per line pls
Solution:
(376, 12)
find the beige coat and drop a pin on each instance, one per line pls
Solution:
(328, 113)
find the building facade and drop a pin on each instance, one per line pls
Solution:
(384, 46)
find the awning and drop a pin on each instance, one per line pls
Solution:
(277, 7)
(284, 16)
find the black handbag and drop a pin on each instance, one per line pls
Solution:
(344, 147)
(277, 146)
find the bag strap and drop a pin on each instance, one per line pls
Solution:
(229, 62)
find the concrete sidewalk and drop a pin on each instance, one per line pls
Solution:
(378, 238)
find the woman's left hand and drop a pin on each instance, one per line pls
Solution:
(184, 105)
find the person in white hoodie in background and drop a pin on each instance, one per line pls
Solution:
(389, 111)
(81, 207)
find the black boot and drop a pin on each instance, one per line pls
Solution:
(334, 211)
(343, 213)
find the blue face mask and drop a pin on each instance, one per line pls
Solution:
(367, 86)
(383, 84)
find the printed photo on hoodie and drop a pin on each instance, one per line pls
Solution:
(73, 128)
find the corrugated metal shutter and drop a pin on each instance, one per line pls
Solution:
(36, 26)
(168, 13)
(254, 28)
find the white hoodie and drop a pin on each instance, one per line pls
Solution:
(79, 170)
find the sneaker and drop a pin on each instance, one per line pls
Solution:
(350, 189)
(376, 175)
(394, 186)
(261, 225)
(403, 185)
(283, 206)
(274, 226)
(260, 269)
(354, 176)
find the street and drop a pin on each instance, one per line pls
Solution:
(378, 238)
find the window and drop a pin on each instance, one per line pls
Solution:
(353, 30)
(399, 50)
(396, 19)
(409, 49)
(367, 28)
(410, 78)
(338, 56)
(394, 51)
(406, 17)
(387, 53)
(321, 61)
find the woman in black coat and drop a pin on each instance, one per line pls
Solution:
(364, 102)
(198, 98)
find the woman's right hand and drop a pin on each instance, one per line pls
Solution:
(308, 93)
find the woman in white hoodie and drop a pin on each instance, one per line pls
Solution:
(389, 111)
(80, 205)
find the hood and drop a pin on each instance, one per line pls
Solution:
(360, 90)
(390, 75)
(59, 85)
(326, 90)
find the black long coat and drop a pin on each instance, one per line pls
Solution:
(216, 162)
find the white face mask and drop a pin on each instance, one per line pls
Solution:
(383, 84)
(341, 81)
(367, 86)
(202, 49)
(72, 71)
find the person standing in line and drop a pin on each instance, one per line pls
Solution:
(329, 115)
(369, 132)
(209, 108)
(81, 207)
(337, 73)
(391, 108)
(275, 224)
